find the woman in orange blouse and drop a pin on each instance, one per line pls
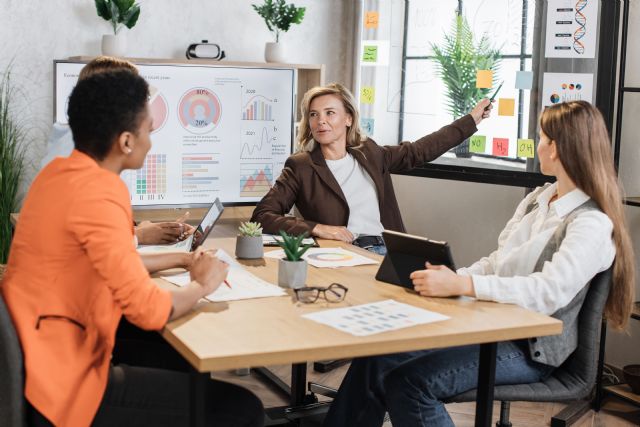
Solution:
(73, 271)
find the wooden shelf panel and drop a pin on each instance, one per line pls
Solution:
(623, 391)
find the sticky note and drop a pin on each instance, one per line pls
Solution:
(367, 95)
(367, 125)
(506, 106)
(371, 20)
(526, 148)
(500, 147)
(524, 80)
(484, 79)
(477, 144)
(370, 54)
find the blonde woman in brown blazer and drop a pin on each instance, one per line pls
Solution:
(340, 181)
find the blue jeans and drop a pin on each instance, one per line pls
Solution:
(411, 386)
(378, 249)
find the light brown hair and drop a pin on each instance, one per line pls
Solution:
(106, 63)
(584, 149)
(355, 135)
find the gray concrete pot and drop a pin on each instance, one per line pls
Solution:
(292, 274)
(249, 247)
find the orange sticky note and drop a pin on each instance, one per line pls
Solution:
(500, 147)
(526, 148)
(371, 20)
(484, 79)
(506, 106)
(367, 95)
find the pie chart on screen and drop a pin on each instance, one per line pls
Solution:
(159, 111)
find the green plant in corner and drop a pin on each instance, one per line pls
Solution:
(12, 161)
(457, 60)
(250, 229)
(291, 245)
(118, 13)
(278, 15)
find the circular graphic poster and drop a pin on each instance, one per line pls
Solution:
(199, 111)
(159, 111)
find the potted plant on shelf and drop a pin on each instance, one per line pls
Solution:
(278, 15)
(249, 241)
(12, 152)
(292, 270)
(118, 13)
(457, 62)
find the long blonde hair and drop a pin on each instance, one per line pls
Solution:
(584, 149)
(355, 136)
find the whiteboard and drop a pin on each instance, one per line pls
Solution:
(218, 131)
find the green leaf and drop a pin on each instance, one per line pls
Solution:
(132, 17)
(103, 9)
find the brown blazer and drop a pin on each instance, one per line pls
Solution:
(307, 181)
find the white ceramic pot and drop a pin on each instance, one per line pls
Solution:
(114, 45)
(274, 52)
(292, 274)
(249, 247)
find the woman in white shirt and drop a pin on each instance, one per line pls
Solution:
(560, 236)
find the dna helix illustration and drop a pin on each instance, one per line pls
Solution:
(580, 32)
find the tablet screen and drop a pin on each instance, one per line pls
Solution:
(207, 223)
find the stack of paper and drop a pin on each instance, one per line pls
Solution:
(244, 285)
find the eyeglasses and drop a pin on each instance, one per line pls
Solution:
(335, 292)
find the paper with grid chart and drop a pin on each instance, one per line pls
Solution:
(369, 319)
(244, 285)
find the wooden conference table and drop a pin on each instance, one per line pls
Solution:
(271, 331)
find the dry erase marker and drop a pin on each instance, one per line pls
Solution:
(495, 93)
(227, 283)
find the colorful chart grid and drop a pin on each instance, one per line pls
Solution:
(152, 177)
(198, 172)
(255, 179)
(257, 109)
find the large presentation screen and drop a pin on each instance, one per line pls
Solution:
(218, 131)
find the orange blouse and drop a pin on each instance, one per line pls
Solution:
(73, 271)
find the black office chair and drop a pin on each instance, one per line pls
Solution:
(575, 379)
(12, 402)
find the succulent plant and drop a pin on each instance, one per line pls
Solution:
(250, 229)
(291, 245)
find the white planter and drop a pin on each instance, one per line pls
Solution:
(274, 52)
(292, 274)
(249, 247)
(114, 45)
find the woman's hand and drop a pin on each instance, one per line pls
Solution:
(332, 232)
(208, 270)
(482, 110)
(440, 281)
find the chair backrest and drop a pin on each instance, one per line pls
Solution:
(12, 402)
(582, 365)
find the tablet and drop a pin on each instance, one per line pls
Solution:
(407, 253)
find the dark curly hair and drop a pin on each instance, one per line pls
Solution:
(103, 106)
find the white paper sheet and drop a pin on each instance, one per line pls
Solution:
(369, 319)
(328, 257)
(182, 246)
(572, 27)
(565, 87)
(244, 285)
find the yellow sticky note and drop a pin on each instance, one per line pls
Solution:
(526, 148)
(367, 95)
(371, 20)
(506, 106)
(477, 144)
(484, 79)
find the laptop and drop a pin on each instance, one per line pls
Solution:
(407, 253)
(196, 239)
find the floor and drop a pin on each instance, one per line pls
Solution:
(615, 413)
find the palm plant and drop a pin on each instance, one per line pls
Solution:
(457, 62)
(12, 138)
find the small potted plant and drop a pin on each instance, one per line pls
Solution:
(292, 270)
(249, 240)
(278, 15)
(118, 13)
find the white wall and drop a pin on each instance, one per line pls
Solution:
(34, 33)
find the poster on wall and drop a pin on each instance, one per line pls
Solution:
(564, 87)
(572, 27)
(217, 132)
